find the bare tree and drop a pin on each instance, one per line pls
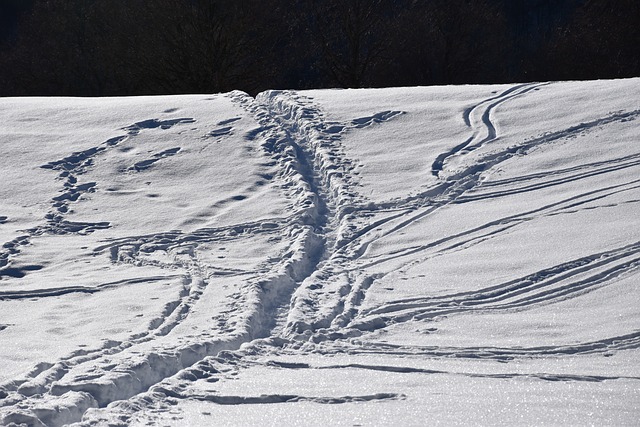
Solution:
(350, 38)
(601, 41)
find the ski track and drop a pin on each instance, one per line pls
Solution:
(606, 347)
(553, 284)
(313, 295)
(478, 118)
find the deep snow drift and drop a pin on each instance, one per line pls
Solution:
(351, 257)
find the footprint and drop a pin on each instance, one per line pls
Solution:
(376, 118)
(226, 122)
(18, 272)
(253, 133)
(146, 164)
(220, 132)
(169, 152)
(333, 129)
(61, 227)
(135, 128)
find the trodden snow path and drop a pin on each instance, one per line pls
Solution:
(402, 256)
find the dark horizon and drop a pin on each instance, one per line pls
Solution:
(106, 48)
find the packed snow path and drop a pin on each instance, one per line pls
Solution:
(356, 257)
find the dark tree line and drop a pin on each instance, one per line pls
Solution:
(135, 47)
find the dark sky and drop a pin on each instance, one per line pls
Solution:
(9, 12)
(136, 47)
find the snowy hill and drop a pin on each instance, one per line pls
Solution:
(410, 256)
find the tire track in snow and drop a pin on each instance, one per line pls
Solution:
(224, 367)
(280, 398)
(455, 188)
(64, 290)
(546, 183)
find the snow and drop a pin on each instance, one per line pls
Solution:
(411, 256)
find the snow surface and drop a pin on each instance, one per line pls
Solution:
(405, 256)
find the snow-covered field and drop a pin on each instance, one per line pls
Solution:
(414, 256)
